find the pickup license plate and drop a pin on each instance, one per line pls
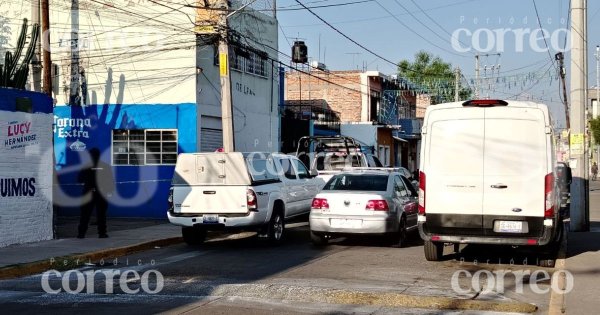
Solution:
(510, 227)
(210, 218)
(346, 223)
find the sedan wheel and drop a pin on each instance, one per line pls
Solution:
(399, 238)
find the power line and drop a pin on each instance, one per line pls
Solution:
(346, 36)
(382, 17)
(542, 30)
(415, 32)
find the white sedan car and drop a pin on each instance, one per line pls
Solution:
(364, 202)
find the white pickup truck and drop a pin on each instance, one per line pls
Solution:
(330, 155)
(239, 191)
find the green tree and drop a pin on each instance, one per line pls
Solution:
(434, 75)
(595, 129)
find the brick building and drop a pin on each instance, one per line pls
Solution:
(370, 106)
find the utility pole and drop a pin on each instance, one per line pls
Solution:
(47, 62)
(477, 70)
(36, 61)
(561, 61)
(477, 76)
(597, 111)
(456, 83)
(226, 102)
(74, 44)
(579, 202)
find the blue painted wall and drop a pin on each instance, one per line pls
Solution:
(41, 103)
(141, 191)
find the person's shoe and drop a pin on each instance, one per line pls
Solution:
(103, 235)
(80, 236)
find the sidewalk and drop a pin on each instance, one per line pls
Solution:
(583, 261)
(125, 236)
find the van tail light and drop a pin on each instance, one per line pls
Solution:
(485, 103)
(251, 200)
(421, 193)
(549, 196)
(319, 204)
(377, 205)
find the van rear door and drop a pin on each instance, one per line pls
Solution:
(454, 170)
(515, 166)
(211, 183)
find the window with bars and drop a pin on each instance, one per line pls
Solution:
(144, 147)
(248, 62)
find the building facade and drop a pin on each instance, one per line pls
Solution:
(140, 142)
(370, 106)
(254, 78)
(26, 167)
(138, 80)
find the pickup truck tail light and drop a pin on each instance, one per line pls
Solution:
(251, 200)
(320, 204)
(377, 205)
(549, 196)
(170, 200)
(421, 193)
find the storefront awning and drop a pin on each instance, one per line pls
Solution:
(399, 139)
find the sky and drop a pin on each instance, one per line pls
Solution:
(394, 30)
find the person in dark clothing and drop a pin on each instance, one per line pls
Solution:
(98, 185)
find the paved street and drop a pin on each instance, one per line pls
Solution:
(582, 260)
(245, 275)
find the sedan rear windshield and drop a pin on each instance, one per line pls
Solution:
(361, 182)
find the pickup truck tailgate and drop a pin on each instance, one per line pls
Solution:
(210, 199)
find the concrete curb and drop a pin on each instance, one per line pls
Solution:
(558, 299)
(367, 298)
(76, 260)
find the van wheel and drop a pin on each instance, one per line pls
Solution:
(433, 251)
(318, 239)
(276, 228)
(549, 263)
(193, 235)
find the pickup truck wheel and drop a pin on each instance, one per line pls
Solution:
(318, 239)
(433, 251)
(276, 228)
(193, 235)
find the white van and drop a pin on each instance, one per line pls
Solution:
(486, 176)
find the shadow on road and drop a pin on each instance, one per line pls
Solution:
(583, 242)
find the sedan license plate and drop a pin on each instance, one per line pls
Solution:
(210, 218)
(346, 223)
(509, 227)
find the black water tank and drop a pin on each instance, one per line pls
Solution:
(299, 52)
